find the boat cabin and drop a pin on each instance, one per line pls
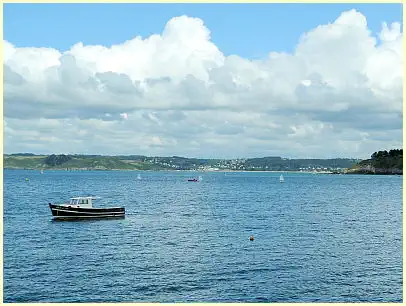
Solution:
(81, 201)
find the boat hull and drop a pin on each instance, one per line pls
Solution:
(66, 212)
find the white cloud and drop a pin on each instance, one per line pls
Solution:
(338, 94)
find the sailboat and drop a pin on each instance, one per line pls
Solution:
(139, 177)
(42, 171)
(281, 179)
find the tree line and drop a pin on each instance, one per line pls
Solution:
(392, 159)
(56, 160)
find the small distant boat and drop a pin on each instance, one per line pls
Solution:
(42, 171)
(139, 177)
(81, 207)
(281, 179)
(193, 180)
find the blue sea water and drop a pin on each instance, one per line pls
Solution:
(318, 238)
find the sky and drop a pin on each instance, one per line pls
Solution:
(203, 80)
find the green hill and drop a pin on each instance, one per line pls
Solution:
(70, 162)
(140, 162)
(24, 162)
(381, 162)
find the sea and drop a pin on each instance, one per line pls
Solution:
(317, 238)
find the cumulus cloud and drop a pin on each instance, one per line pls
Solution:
(338, 94)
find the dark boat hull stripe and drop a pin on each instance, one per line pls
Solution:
(74, 212)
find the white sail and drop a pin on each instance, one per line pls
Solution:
(281, 179)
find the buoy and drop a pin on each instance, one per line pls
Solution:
(26, 179)
(252, 238)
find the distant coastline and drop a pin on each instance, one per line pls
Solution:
(171, 170)
(381, 162)
(138, 163)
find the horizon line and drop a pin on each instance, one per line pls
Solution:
(222, 158)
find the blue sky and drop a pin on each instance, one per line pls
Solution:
(248, 30)
(184, 94)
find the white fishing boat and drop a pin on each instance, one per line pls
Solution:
(281, 179)
(81, 207)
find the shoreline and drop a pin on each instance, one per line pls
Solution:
(170, 170)
(210, 171)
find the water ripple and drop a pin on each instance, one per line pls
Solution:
(317, 238)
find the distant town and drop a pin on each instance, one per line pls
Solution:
(254, 164)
